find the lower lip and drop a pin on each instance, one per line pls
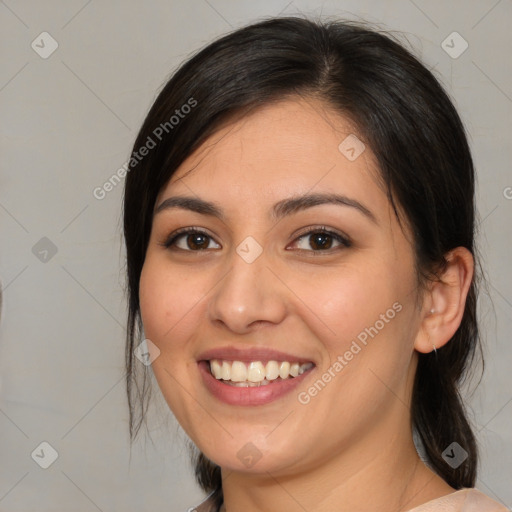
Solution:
(256, 395)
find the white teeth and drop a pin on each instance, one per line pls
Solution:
(216, 369)
(284, 369)
(305, 367)
(272, 370)
(255, 373)
(247, 384)
(238, 371)
(226, 370)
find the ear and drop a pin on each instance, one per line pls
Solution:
(444, 304)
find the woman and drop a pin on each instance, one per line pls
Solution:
(299, 224)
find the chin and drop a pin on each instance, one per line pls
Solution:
(245, 456)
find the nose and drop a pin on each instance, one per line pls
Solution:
(248, 296)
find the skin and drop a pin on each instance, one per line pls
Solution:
(354, 435)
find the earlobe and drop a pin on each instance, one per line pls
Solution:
(445, 303)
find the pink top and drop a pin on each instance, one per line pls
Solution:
(464, 500)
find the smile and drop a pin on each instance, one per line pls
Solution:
(255, 373)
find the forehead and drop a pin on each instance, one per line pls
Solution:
(287, 148)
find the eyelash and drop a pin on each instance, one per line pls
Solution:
(342, 239)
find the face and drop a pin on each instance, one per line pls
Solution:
(303, 308)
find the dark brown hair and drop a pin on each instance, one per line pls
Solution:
(407, 119)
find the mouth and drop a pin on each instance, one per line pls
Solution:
(256, 373)
(249, 378)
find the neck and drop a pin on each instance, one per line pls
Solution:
(381, 473)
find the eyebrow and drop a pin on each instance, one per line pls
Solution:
(280, 209)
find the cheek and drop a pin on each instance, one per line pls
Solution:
(167, 320)
(366, 326)
(162, 300)
(350, 299)
(151, 303)
(172, 302)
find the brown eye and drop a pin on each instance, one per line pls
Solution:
(197, 241)
(319, 240)
(192, 240)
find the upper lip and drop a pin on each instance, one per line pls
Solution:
(250, 354)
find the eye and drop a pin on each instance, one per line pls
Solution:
(314, 240)
(321, 240)
(190, 239)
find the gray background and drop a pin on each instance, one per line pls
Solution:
(68, 123)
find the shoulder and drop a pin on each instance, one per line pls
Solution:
(463, 500)
(205, 506)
